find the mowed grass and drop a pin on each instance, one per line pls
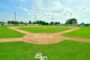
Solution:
(44, 29)
(5, 32)
(84, 32)
(65, 50)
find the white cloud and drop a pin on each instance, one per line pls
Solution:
(56, 9)
(39, 3)
(24, 9)
(84, 9)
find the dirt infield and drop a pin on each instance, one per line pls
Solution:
(11, 39)
(43, 38)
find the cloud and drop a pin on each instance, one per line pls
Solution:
(39, 3)
(56, 9)
(44, 9)
(24, 9)
(85, 9)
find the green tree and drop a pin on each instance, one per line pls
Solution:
(1, 22)
(40, 22)
(13, 22)
(71, 21)
(30, 22)
(22, 22)
(52, 23)
(9, 22)
(82, 23)
(57, 23)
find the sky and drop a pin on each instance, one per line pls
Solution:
(46, 10)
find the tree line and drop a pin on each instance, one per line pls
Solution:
(71, 21)
(1, 22)
(40, 22)
(35, 22)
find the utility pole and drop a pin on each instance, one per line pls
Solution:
(35, 18)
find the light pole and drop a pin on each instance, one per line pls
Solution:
(52, 18)
(70, 15)
(15, 15)
(35, 17)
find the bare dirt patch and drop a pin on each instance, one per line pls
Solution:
(11, 39)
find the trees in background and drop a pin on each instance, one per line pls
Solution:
(22, 22)
(46, 23)
(51, 23)
(57, 23)
(13, 22)
(39, 22)
(30, 22)
(54, 23)
(71, 21)
(18, 22)
(82, 23)
(1, 22)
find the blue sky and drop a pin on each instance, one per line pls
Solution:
(58, 10)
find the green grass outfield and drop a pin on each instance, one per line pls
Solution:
(44, 29)
(84, 32)
(5, 32)
(65, 50)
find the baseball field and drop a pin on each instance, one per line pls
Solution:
(55, 42)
